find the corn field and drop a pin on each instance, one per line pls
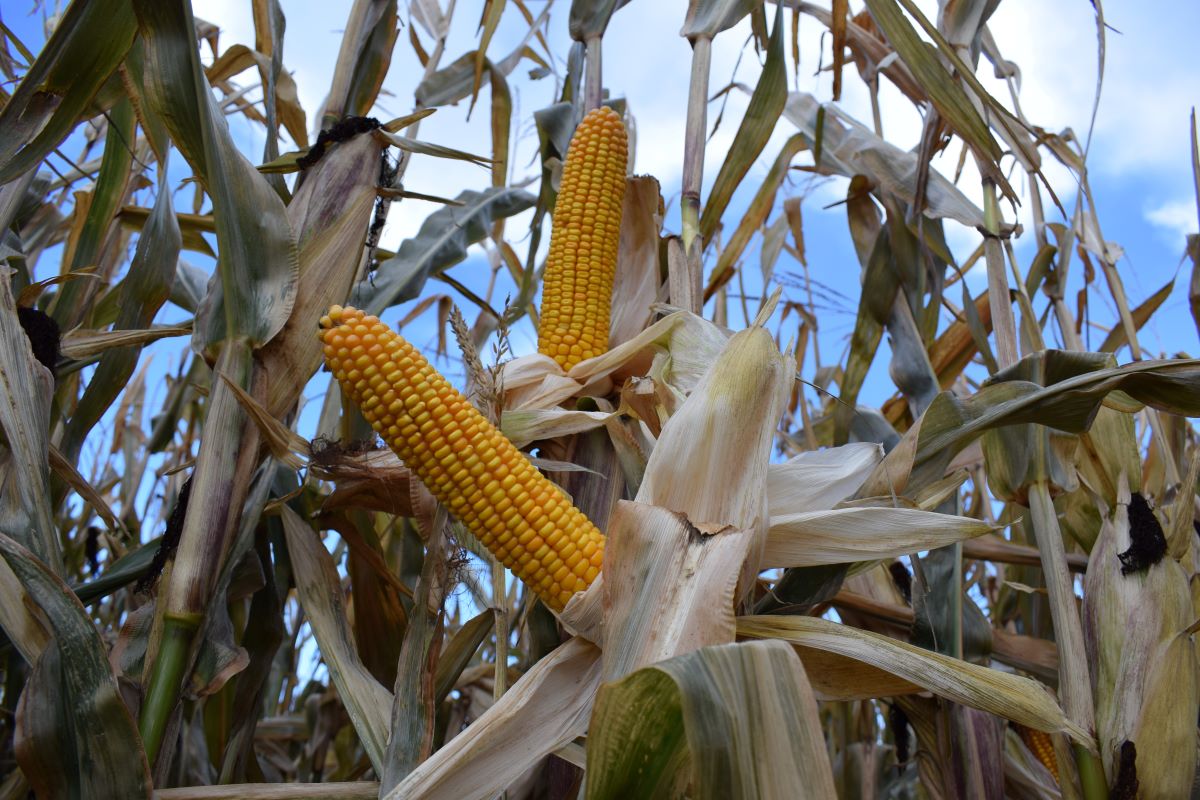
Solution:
(319, 479)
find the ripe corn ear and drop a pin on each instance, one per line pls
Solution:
(1041, 745)
(477, 473)
(578, 282)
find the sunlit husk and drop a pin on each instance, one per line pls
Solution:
(710, 463)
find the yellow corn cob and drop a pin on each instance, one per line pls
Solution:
(514, 510)
(1042, 746)
(577, 285)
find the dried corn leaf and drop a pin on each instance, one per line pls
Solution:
(589, 18)
(441, 243)
(239, 58)
(836, 677)
(192, 227)
(258, 265)
(849, 149)
(946, 94)
(366, 701)
(706, 18)
(762, 112)
(1019, 699)
(26, 389)
(1118, 336)
(1065, 403)
(84, 344)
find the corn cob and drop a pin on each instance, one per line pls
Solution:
(1042, 746)
(577, 285)
(477, 473)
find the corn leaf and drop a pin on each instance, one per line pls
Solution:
(589, 18)
(257, 263)
(848, 149)
(766, 104)
(1068, 404)
(143, 292)
(83, 51)
(947, 95)
(706, 18)
(441, 243)
(1118, 338)
(75, 737)
(72, 305)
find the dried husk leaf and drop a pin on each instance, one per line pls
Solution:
(655, 559)
(331, 212)
(680, 348)
(635, 287)
(820, 479)
(527, 425)
(710, 464)
(548, 707)
(677, 350)
(375, 480)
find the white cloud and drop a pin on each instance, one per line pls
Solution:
(1175, 218)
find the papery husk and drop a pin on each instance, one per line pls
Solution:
(1145, 672)
(547, 708)
(711, 462)
(700, 517)
(845, 535)
(817, 480)
(635, 288)
(678, 350)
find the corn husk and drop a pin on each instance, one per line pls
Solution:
(1145, 674)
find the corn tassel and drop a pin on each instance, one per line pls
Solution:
(578, 282)
(514, 510)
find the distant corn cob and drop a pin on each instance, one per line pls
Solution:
(514, 510)
(1042, 746)
(577, 285)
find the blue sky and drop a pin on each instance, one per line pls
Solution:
(1139, 160)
